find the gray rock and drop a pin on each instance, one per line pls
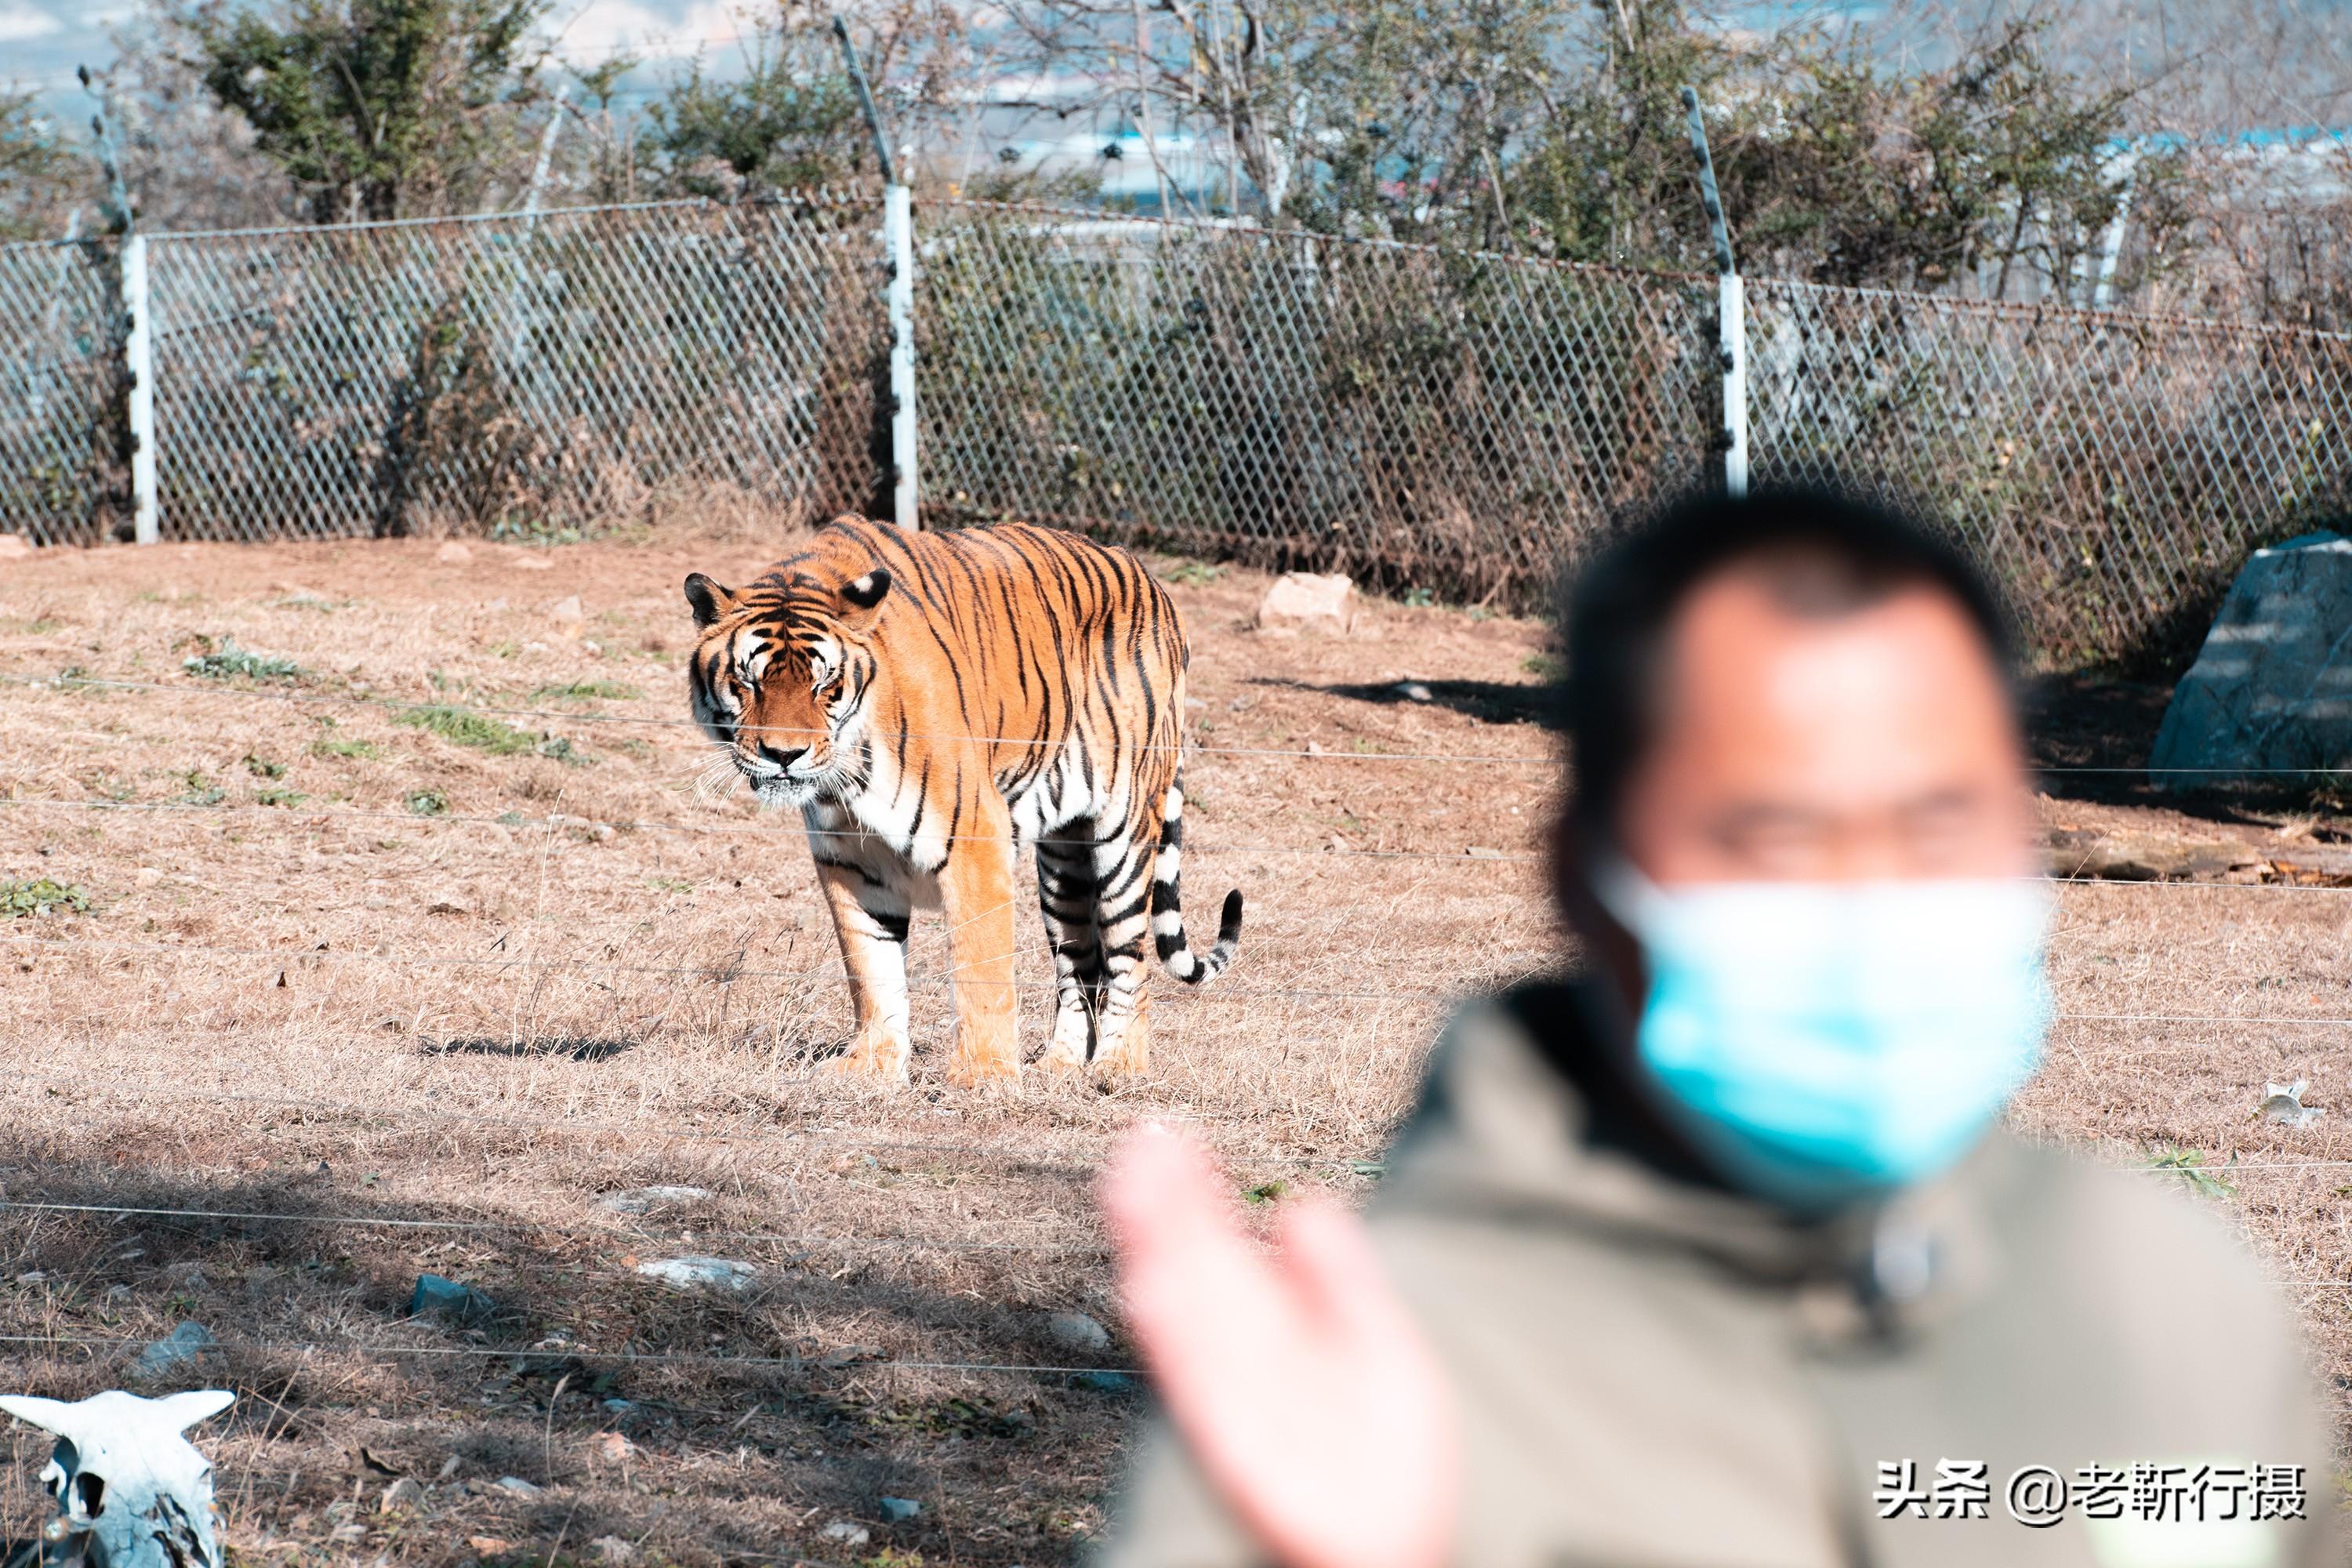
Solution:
(1076, 1332)
(644, 1200)
(1306, 601)
(179, 1349)
(843, 1533)
(519, 1487)
(1107, 1382)
(2271, 687)
(435, 1296)
(402, 1493)
(701, 1273)
(898, 1510)
(613, 1549)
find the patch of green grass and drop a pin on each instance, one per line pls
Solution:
(201, 791)
(588, 691)
(22, 900)
(280, 796)
(263, 768)
(2190, 1164)
(357, 751)
(1194, 573)
(505, 650)
(464, 727)
(230, 662)
(427, 802)
(1419, 598)
(1544, 666)
(1267, 1192)
(532, 530)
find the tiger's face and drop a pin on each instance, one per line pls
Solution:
(782, 677)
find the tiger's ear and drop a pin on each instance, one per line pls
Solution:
(862, 594)
(708, 599)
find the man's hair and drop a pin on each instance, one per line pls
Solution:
(1818, 554)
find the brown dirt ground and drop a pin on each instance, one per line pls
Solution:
(295, 995)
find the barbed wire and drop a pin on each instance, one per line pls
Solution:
(722, 974)
(81, 682)
(771, 1138)
(839, 1360)
(304, 817)
(727, 973)
(800, 1242)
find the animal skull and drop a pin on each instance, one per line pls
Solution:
(131, 1492)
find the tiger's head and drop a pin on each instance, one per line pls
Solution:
(782, 674)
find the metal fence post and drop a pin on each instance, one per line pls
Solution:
(1731, 311)
(899, 232)
(898, 243)
(139, 367)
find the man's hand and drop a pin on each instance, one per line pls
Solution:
(1302, 1386)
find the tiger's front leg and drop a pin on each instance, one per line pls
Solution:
(871, 920)
(976, 896)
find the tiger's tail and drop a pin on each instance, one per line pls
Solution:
(1167, 906)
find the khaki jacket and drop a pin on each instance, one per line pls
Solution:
(1653, 1371)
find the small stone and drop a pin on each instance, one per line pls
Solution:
(14, 546)
(566, 609)
(1076, 1332)
(841, 1531)
(449, 904)
(701, 1273)
(613, 1549)
(620, 1406)
(1414, 691)
(1107, 1382)
(402, 1493)
(1481, 852)
(183, 1346)
(1307, 601)
(614, 1447)
(898, 1510)
(435, 1296)
(519, 1487)
(32, 1277)
(644, 1200)
(453, 553)
(531, 563)
(490, 1545)
(148, 876)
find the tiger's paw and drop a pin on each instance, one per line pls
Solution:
(1129, 1055)
(882, 1061)
(1000, 1078)
(1067, 1051)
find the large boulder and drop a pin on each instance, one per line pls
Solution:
(2271, 687)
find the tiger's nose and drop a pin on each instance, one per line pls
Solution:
(784, 758)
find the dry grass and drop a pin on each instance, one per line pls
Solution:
(580, 975)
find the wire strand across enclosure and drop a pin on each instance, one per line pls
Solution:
(1455, 421)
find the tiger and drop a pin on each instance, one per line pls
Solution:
(932, 701)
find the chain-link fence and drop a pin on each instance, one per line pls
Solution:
(2111, 470)
(1461, 423)
(61, 365)
(1445, 420)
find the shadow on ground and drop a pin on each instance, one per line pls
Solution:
(1489, 701)
(744, 1420)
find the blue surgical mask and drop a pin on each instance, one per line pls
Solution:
(1826, 1042)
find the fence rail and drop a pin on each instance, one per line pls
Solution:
(1460, 422)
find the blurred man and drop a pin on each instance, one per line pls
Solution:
(1708, 1257)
